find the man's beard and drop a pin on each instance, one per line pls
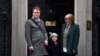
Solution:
(36, 17)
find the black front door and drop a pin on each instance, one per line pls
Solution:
(52, 10)
(57, 9)
(5, 27)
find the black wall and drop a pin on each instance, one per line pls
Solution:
(5, 27)
(96, 26)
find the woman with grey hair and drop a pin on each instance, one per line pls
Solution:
(70, 36)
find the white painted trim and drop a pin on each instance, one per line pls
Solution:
(19, 16)
(82, 14)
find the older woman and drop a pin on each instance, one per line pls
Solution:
(70, 36)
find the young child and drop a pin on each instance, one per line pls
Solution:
(54, 46)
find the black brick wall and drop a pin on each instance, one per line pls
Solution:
(96, 26)
(5, 27)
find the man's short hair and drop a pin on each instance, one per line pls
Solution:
(36, 7)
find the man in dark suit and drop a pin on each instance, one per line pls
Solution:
(35, 33)
(70, 36)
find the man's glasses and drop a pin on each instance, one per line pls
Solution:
(36, 12)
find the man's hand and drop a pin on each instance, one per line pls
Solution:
(46, 42)
(31, 48)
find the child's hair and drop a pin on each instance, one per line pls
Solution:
(53, 34)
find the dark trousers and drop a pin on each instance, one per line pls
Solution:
(65, 54)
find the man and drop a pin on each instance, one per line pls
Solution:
(70, 36)
(35, 33)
